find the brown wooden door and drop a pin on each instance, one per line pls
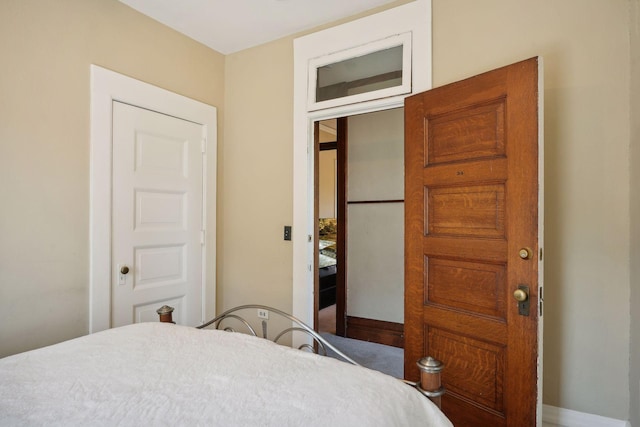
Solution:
(471, 205)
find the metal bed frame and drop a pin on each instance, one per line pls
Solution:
(430, 368)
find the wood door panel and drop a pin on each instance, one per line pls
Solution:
(482, 327)
(471, 204)
(470, 211)
(450, 282)
(489, 250)
(475, 91)
(475, 132)
(464, 412)
(476, 368)
(460, 173)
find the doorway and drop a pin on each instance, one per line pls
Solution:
(414, 18)
(360, 215)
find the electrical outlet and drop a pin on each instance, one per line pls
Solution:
(263, 314)
(287, 232)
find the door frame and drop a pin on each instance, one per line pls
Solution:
(108, 86)
(414, 17)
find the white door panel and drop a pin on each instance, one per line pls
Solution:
(160, 210)
(157, 216)
(147, 313)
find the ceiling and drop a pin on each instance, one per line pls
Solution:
(229, 26)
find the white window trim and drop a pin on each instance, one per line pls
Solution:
(414, 17)
(403, 40)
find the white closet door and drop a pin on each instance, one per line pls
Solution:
(157, 216)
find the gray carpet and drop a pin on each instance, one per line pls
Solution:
(383, 358)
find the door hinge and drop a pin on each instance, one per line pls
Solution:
(203, 237)
(204, 145)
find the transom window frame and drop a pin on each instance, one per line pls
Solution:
(403, 39)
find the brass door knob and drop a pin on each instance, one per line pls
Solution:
(520, 295)
(124, 269)
(525, 253)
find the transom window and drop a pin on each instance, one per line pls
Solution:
(376, 70)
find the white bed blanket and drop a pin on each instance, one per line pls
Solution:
(154, 374)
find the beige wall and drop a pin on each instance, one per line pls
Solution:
(327, 176)
(327, 136)
(635, 211)
(585, 45)
(46, 49)
(255, 188)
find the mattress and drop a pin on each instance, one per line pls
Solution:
(164, 374)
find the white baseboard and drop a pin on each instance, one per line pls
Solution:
(568, 418)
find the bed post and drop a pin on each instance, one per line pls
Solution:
(166, 314)
(430, 384)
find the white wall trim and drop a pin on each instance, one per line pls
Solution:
(414, 17)
(107, 86)
(569, 418)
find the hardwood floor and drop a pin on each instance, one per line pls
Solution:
(327, 320)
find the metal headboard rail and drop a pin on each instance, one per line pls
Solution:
(430, 384)
(300, 327)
